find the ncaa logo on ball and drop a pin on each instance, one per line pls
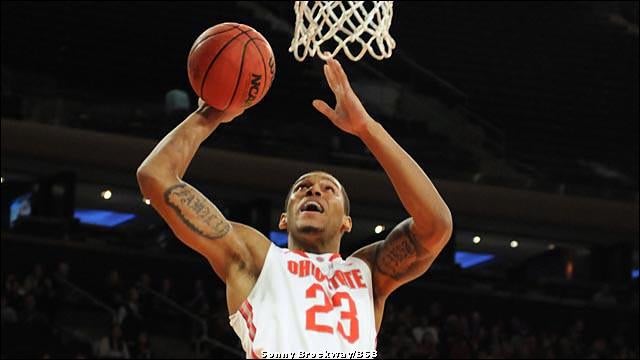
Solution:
(253, 89)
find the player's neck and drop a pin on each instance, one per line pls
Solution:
(315, 247)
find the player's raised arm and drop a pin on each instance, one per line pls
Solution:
(230, 76)
(195, 220)
(412, 246)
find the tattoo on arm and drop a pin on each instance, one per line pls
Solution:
(195, 211)
(396, 256)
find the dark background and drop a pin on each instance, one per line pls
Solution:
(524, 114)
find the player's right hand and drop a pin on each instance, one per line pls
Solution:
(216, 115)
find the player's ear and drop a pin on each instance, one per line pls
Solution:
(346, 224)
(282, 224)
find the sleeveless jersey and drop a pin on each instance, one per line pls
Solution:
(304, 303)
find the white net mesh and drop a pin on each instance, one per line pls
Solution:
(324, 28)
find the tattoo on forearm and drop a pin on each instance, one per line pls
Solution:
(396, 256)
(196, 211)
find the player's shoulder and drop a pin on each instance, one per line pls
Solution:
(367, 254)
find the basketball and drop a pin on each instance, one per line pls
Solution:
(231, 66)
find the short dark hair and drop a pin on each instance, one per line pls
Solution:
(347, 204)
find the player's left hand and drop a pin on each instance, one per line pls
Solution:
(349, 114)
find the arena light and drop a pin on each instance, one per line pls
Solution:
(106, 194)
(378, 229)
(279, 238)
(104, 218)
(476, 239)
(468, 259)
(146, 201)
(20, 206)
(514, 244)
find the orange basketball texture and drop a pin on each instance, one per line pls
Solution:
(231, 66)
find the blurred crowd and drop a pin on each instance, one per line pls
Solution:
(449, 334)
(145, 305)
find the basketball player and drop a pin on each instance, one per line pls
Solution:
(305, 300)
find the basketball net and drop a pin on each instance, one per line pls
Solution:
(324, 28)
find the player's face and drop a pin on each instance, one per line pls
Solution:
(316, 204)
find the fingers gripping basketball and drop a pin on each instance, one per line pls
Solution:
(231, 66)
